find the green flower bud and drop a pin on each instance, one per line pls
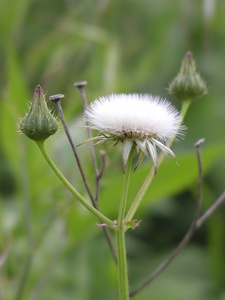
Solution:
(39, 123)
(188, 85)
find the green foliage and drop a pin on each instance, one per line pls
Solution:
(170, 180)
(117, 46)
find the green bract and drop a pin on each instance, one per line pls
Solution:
(188, 85)
(39, 123)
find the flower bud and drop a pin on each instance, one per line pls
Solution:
(39, 123)
(188, 84)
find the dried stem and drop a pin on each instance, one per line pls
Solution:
(102, 154)
(80, 86)
(210, 211)
(98, 174)
(189, 233)
(56, 99)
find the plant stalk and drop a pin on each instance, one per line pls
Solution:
(120, 235)
(68, 185)
(150, 176)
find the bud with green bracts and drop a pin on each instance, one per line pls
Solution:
(39, 123)
(188, 85)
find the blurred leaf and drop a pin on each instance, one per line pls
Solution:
(170, 179)
(186, 278)
(117, 47)
(11, 107)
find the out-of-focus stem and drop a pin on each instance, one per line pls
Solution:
(189, 233)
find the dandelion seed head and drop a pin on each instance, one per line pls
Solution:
(145, 120)
(134, 114)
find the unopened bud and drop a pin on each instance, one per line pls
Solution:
(38, 123)
(188, 85)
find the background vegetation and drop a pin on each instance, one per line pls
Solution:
(54, 247)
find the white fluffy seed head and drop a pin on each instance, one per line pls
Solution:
(136, 115)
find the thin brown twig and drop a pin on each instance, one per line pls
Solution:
(210, 211)
(102, 154)
(98, 174)
(56, 100)
(80, 86)
(189, 233)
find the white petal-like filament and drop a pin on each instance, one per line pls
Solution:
(153, 153)
(141, 144)
(127, 146)
(164, 148)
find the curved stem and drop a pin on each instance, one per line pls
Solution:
(189, 233)
(120, 235)
(211, 210)
(60, 113)
(93, 155)
(98, 174)
(79, 197)
(150, 176)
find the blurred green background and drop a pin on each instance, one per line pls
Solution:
(50, 247)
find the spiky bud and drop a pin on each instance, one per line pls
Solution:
(188, 85)
(39, 123)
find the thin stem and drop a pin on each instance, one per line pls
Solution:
(135, 204)
(185, 107)
(120, 235)
(60, 112)
(102, 154)
(98, 174)
(150, 176)
(189, 233)
(210, 211)
(81, 86)
(79, 197)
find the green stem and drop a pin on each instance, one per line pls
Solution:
(79, 197)
(122, 265)
(120, 235)
(184, 108)
(150, 176)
